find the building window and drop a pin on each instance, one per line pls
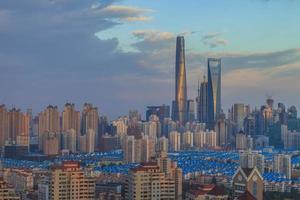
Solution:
(254, 189)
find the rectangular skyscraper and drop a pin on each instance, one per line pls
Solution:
(202, 101)
(214, 90)
(180, 103)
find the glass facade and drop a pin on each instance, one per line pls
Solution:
(180, 106)
(214, 90)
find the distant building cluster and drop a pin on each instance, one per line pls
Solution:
(188, 125)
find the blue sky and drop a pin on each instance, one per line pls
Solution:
(250, 25)
(119, 54)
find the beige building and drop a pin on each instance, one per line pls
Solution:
(138, 149)
(7, 192)
(174, 141)
(71, 119)
(69, 181)
(205, 139)
(21, 180)
(187, 140)
(290, 139)
(90, 122)
(69, 140)
(51, 143)
(163, 144)
(282, 164)
(159, 180)
(48, 121)
(248, 179)
(3, 124)
(243, 141)
(18, 125)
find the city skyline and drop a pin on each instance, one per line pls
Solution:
(148, 100)
(59, 60)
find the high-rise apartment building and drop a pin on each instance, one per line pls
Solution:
(238, 115)
(137, 150)
(180, 103)
(290, 139)
(163, 144)
(69, 181)
(71, 119)
(48, 121)
(205, 139)
(3, 124)
(51, 143)
(174, 141)
(250, 159)
(250, 125)
(243, 141)
(221, 130)
(18, 127)
(213, 90)
(161, 112)
(282, 164)
(90, 121)
(190, 110)
(69, 141)
(187, 140)
(156, 180)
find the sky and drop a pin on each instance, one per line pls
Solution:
(120, 54)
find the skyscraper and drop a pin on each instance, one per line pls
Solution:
(190, 110)
(48, 120)
(3, 124)
(161, 112)
(250, 159)
(180, 103)
(213, 90)
(238, 116)
(221, 130)
(282, 164)
(202, 107)
(90, 122)
(71, 119)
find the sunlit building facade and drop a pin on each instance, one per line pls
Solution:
(180, 103)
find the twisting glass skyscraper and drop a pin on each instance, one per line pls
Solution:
(180, 103)
(214, 90)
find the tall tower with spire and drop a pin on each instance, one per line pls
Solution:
(180, 103)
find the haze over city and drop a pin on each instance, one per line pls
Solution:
(121, 54)
(149, 99)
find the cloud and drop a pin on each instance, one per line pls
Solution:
(210, 36)
(214, 40)
(126, 13)
(253, 84)
(49, 55)
(153, 35)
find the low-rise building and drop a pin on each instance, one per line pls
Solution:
(7, 192)
(248, 179)
(207, 192)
